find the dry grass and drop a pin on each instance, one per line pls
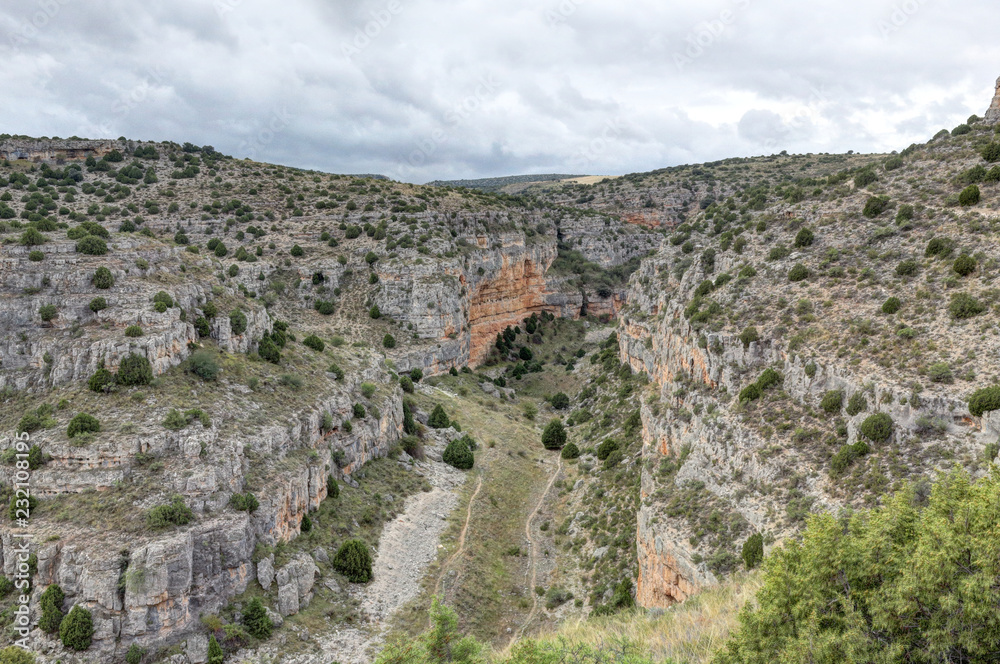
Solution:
(690, 632)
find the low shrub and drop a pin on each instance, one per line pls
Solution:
(458, 454)
(238, 321)
(359, 411)
(103, 278)
(907, 268)
(177, 513)
(554, 435)
(969, 196)
(606, 447)
(753, 550)
(846, 455)
(438, 418)
(82, 423)
(135, 370)
(406, 383)
(858, 403)
(560, 401)
(51, 603)
(799, 272)
(875, 205)
(256, 620)
(102, 381)
(98, 304)
(354, 560)
(47, 312)
(388, 341)
(804, 238)
(92, 246)
(314, 342)
(832, 402)
(244, 502)
(985, 400)
(749, 335)
(940, 372)
(570, 451)
(940, 247)
(76, 630)
(877, 427)
(891, 305)
(964, 265)
(964, 306)
(133, 331)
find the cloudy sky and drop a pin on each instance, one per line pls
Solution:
(432, 89)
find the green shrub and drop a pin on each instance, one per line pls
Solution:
(36, 256)
(554, 435)
(753, 550)
(940, 372)
(406, 383)
(940, 247)
(570, 451)
(614, 459)
(244, 502)
(846, 455)
(98, 304)
(268, 350)
(103, 278)
(749, 335)
(751, 392)
(877, 427)
(964, 265)
(961, 130)
(374, 312)
(177, 513)
(202, 363)
(891, 305)
(29, 423)
(47, 312)
(991, 152)
(256, 620)
(768, 378)
(77, 629)
(804, 238)
(32, 238)
(314, 342)
(560, 401)
(388, 341)
(354, 560)
(306, 525)
(875, 205)
(102, 381)
(135, 370)
(51, 603)
(14, 511)
(965, 306)
(16, 655)
(325, 307)
(832, 402)
(358, 411)
(91, 245)
(368, 390)
(416, 374)
(82, 423)
(606, 447)
(296, 250)
(133, 331)
(865, 178)
(798, 273)
(338, 373)
(136, 653)
(984, 400)
(458, 454)
(969, 196)
(238, 321)
(858, 403)
(438, 418)
(907, 268)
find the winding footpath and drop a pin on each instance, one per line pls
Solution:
(532, 553)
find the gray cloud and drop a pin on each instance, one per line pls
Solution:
(425, 89)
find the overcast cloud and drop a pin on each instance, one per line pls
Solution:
(428, 89)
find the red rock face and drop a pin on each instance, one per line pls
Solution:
(517, 292)
(659, 584)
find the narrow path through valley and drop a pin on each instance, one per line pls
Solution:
(533, 552)
(461, 540)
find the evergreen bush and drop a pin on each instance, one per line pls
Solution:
(438, 418)
(77, 629)
(103, 278)
(256, 620)
(458, 454)
(82, 423)
(354, 560)
(753, 551)
(554, 435)
(135, 370)
(877, 427)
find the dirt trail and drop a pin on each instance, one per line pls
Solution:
(461, 540)
(533, 552)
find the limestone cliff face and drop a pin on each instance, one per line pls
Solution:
(461, 304)
(50, 150)
(993, 113)
(74, 344)
(153, 588)
(694, 423)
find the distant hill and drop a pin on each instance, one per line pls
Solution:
(497, 184)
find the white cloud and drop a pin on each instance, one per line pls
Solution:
(425, 89)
